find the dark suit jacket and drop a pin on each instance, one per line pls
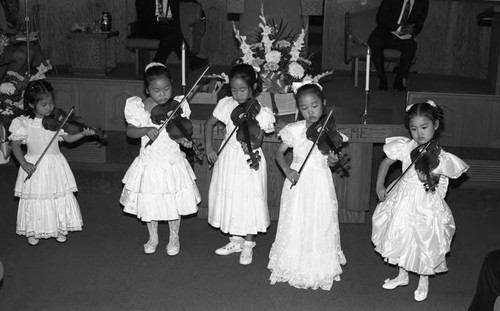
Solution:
(146, 12)
(389, 11)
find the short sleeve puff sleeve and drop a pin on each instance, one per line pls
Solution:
(186, 110)
(266, 119)
(286, 135)
(19, 129)
(450, 166)
(221, 111)
(135, 113)
(394, 147)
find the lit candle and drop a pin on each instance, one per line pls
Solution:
(367, 81)
(183, 64)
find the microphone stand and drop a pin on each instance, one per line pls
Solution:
(27, 21)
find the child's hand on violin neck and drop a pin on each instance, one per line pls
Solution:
(29, 168)
(332, 158)
(381, 193)
(211, 155)
(88, 132)
(152, 133)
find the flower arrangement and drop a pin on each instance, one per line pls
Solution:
(279, 60)
(11, 100)
(12, 91)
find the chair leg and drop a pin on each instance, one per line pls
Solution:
(356, 71)
(136, 62)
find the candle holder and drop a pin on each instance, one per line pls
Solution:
(364, 116)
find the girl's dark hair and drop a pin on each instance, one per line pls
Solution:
(246, 73)
(309, 89)
(154, 72)
(36, 91)
(433, 112)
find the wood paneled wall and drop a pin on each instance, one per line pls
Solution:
(56, 17)
(451, 42)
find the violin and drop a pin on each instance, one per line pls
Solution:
(72, 125)
(179, 127)
(426, 158)
(329, 140)
(243, 117)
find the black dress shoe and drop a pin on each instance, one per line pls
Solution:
(382, 85)
(399, 84)
(197, 62)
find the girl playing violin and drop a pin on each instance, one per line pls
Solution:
(160, 183)
(412, 225)
(47, 205)
(238, 193)
(306, 252)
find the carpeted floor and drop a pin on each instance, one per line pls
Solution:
(103, 267)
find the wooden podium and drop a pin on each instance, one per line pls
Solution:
(93, 53)
(491, 17)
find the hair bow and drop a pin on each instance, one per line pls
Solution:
(297, 85)
(154, 64)
(430, 102)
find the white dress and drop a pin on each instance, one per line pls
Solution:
(413, 228)
(238, 194)
(47, 205)
(160, 183)
(307, 252)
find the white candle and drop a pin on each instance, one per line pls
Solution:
(367, 80)
(183, 64)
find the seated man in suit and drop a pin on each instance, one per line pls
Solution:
(398, 22)
(161, 20)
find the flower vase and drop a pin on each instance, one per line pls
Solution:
(280, 104)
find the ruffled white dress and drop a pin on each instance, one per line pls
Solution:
(160, 183)
(238, 194)
(307, 252)
(47, 205)
(413, 228)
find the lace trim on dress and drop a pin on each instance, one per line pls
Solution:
(303, 281)
(46, 235)
(16, 137)
(45, 195)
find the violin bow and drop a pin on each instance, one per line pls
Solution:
(312, 147)
(178, 106)
(233, 131)
(51, 141)
(411, 164)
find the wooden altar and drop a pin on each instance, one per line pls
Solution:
(353, 191)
